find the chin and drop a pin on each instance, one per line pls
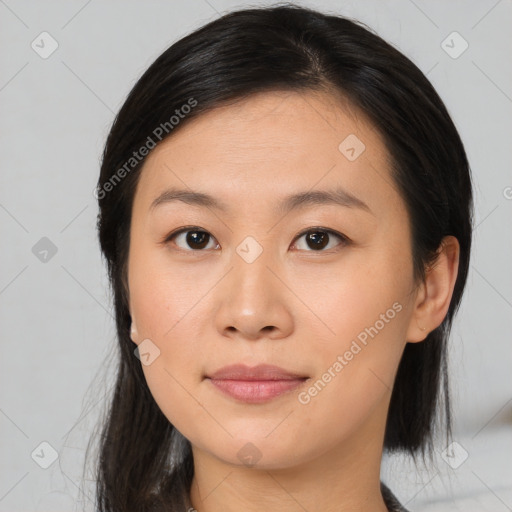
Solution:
(255, 453)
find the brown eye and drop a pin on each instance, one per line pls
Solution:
(318, 239)
(191, 239)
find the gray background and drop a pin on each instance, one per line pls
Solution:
(57, 330)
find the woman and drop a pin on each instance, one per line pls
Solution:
(285, 212)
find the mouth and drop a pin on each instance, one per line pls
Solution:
(258, 384)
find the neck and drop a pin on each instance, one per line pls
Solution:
(345, 478)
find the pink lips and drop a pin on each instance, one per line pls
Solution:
(257, 384)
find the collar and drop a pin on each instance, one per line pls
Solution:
(390, 500)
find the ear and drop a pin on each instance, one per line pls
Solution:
(435, 293)
(134, 334)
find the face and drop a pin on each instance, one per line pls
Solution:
(297, 255)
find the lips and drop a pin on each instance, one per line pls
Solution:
(261, 372)
(258, 384)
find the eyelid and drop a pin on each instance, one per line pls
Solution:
(178, 231)
(345, 240)
(314, 229)
(184, 229)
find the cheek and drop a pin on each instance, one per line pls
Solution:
(163, 305)
(351, 310)
(356, 369)
(352, 296)
(332, 305)
(366, 310)
(162, 295)
(165, 309)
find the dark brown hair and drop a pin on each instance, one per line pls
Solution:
(144, 462)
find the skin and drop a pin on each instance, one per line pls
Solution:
(294, 306)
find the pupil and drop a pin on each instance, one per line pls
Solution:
(319, 240)
(197, 238)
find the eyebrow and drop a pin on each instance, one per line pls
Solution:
(337, 196)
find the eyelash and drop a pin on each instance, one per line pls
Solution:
(316, 229)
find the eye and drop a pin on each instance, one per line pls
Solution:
(197, 239)
(319, 238)
(194, 237)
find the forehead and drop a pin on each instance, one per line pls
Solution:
(300, 123)
(269, 145)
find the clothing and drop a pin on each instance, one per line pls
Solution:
(390, 500)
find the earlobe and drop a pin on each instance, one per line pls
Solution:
(435, 294)
(134, 335)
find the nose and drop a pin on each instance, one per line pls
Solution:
(253, 302)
